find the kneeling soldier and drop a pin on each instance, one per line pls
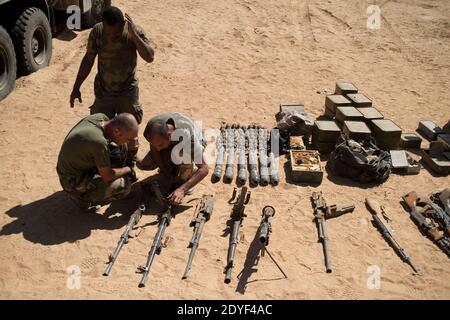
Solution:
(177, 149)
(92, 165)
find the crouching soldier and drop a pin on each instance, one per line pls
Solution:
(92, 164)
(177, 149)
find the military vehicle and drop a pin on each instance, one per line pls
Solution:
(26, 30)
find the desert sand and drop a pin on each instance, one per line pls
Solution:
(232, 61)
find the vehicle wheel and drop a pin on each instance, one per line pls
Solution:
(7, 64)
(32, 37)
(94, 15)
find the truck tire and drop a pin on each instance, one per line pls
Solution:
(7, 64)
(32, 37)
(94, 15)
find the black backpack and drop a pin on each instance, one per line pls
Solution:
(360, 160)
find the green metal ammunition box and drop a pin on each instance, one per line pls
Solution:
(325, 131)
(410, 141)
(359, 100)
(429, 129)
(345, 88)
(386, 133)
(333, 101)
(356, 130)
(348, 113)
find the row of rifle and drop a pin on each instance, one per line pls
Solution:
(203, 214)
(249, 143)
(431, 215)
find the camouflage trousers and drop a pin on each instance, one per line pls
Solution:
(92, 191)
(114, 105)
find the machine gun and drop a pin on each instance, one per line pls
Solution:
(322, 211)
(157, 245)
(236, 220)
(134, 220)
(427, 228)
(217, 174)
(375, 209)
(204, 211)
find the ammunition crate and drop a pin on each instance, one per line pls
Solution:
(438, 164)
(386, 133)
(328, 113)
(348, 114)
(445, 140)
(345, 88)
(429, 129)
(359, 100)
(306, 166)
(294, 106)
(356, 130)
(410, 141)
(325, 131)
(333, 101)
(370, 114)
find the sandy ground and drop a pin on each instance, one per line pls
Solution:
(231, 61)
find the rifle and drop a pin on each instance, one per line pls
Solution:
(430, 230)
(134, 220)
(217, 174)
(157, 245)
(322, 212)
(203, 215)
(374, 208)
(237, 218)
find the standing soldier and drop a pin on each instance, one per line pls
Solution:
(115, 41)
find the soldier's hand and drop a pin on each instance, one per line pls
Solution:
(132, 175)
(131, 26)
(76, 94)
(176, 197)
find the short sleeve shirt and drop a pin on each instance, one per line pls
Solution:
(84, 148)
(187, 128)
(116, 61)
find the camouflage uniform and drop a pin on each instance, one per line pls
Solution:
(84, 150)
(176, 168)
(116, 86)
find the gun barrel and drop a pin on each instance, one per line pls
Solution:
(232, 250)
(156, 246)
(264, 232)
(113, 257)
(323, 237)
(134, 219)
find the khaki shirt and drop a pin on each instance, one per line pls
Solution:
(116, 61)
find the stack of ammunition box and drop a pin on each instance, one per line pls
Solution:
(325, 135)
(437, 156)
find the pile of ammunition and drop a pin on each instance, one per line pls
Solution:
(247, 142)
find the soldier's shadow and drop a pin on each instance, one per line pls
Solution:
(55, 220)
